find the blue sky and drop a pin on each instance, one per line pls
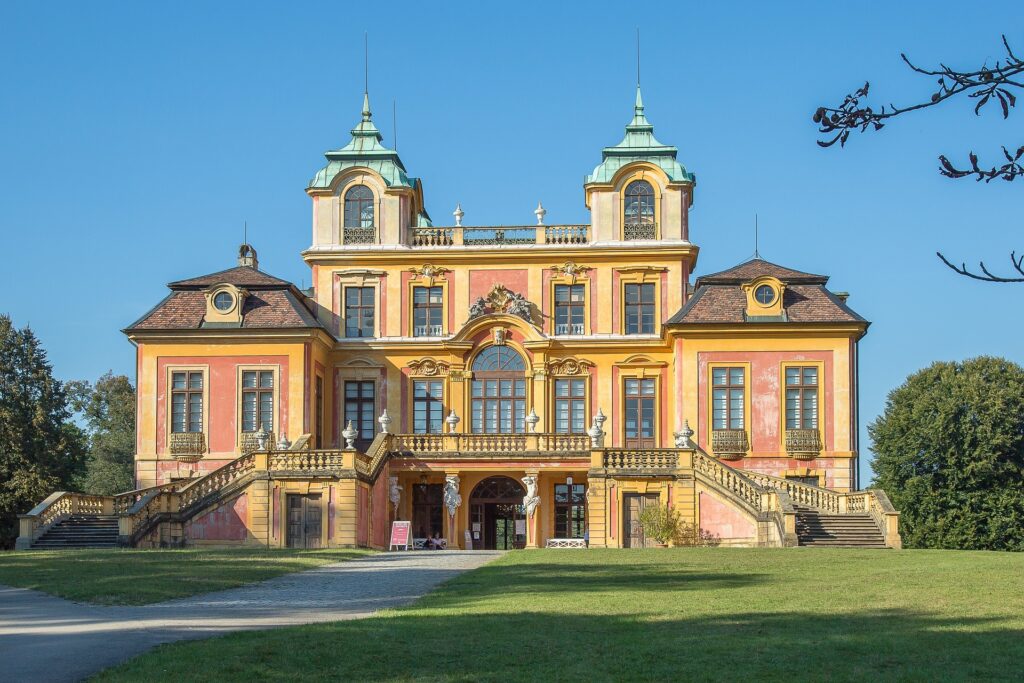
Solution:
(136, 138)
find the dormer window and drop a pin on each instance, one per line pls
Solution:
(764, 299)
(359, 215)
(223, 301)
(638, 212)
(765, 295)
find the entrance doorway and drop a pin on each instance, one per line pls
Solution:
(497, 518)
(633, 532)
(304, 521)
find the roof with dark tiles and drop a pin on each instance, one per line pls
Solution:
(271, 303)
(719, 298)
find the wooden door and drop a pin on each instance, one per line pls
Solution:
(633, 532)
(304, 521)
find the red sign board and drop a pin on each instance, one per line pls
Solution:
(400, 535)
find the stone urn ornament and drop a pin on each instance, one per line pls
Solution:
(349, 434)
(595, 432)
(261, 439)
(453, 421)
(384, 420)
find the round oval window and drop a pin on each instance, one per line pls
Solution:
(765, 294)
(223, 301)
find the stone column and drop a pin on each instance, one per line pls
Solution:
(531, 503)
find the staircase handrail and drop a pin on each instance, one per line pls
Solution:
(731, 480)
(808, 495)
(57, 507)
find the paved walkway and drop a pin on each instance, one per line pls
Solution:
(44, 638)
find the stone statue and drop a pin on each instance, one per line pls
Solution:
(518, 305)
(531, 500)
(452, 499)
(394, 493)
(478, 308)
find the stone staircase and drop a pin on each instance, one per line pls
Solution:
(818, 529)
(80, 531)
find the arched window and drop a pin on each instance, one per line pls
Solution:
(638, 212)
(359, 228)
(499, 392)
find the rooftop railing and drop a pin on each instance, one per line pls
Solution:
(513, 235)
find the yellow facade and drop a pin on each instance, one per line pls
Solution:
(460, 377)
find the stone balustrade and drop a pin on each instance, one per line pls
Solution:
(512, 235)
(488, 444)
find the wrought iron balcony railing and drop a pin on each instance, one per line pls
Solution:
(358, 235)
(187, 446)
(803, 443)
(640, 231)
(730, 444)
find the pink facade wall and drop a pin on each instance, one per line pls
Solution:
(766, 400)
(723, 520)
(226, 523)
(380, 508)
(362, 516)
(221, 397)
(481, 282)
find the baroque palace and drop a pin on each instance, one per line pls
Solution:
(497, 387)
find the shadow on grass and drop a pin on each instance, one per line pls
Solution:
(529, 646)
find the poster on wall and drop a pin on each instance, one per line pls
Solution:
(400, 535)
(469, 540)
(520, 527)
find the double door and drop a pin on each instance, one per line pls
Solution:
(305, 526)
(633, 532)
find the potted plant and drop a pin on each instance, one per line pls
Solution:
(660, 523)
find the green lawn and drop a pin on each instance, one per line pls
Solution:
(138, 577)
(703, 613)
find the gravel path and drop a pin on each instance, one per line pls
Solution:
(44, 638)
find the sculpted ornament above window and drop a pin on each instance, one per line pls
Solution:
(428, 272)
(428, 367)
(571, 270)
(568, 366)
(502, 300)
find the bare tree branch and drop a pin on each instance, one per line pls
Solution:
(984, 85)
(1018, 265)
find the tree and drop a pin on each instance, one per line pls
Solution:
(41, 450)
(108, 408)
(949, 451)
(985, 85)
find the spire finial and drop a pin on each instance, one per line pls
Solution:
(757, 254)
(638, 59)
(394, 123)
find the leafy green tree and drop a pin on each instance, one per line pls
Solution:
(41, 450)
(108, 408)
(949, 451)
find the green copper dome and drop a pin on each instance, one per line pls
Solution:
(639, 145)
(365, 149)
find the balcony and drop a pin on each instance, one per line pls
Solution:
(358, 235)
(427, 331)
(569, 328)
(187, 446)
(803, 443)
(729, 444)
(489, 445)
(517, 235)
(640, 231)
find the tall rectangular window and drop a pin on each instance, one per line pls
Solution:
(187, 401)
(361, 409)
(427, 308)
(359, 311)
(569, 309)
(499, 406)
(318, 435)
(427, 407)
(257, 400)
(640, 413)
(570, 511)
(728, 398)
(802, 398)
(571, 406)
(640, 308)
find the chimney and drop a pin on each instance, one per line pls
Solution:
(247, 257)
(842, 296)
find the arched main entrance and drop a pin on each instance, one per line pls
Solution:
(496, 516)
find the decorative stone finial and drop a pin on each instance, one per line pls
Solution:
(540, 212)
(683, 436)
(384, 421)
(283, 443)
(453, 421)
(532, 419)
(261, 439)
(595, 432)
(458, 213)
(349, 434)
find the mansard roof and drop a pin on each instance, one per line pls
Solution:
(719, 297)
(639, 144)
(270, 303)
(366, 151)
